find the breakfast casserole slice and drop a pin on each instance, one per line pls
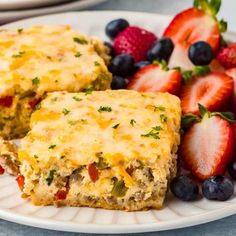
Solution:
(45, 59)
(114, 149)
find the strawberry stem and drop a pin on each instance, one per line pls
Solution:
(204, 113)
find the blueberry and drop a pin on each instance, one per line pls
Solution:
(141, 64)
(232, 170)
(122, 65)
(200, 53)
(118, 82)
(162, 49)
(184, 188)
(116, 26)
(217, 188)
(111, 49)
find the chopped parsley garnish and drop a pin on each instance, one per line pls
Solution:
(78, 54)
(89, 90)
(35, 81)
(96, 63)
(36, 157)
(153, 133)
(50, 177)
(49, 57)
(77, 99)
(52, 146)
(132, 122)
(65, 111)
(160, 108)
(20, 54)
(63, 156)
(19, 31)
(72, 122)
(54, 99)
(83, 120)
(156, 128)
(80, 41)
(115, 126)
(104, 109)
(163, 118)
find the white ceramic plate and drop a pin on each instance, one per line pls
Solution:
(67, 5)
(175, 214)
(20, 4)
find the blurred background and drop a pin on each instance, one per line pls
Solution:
(11, 10)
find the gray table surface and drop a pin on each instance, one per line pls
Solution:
(224, 227)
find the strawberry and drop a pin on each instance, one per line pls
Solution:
(153, 78)
(216, 66)
(227, 56)
(211, 90)
(232, 72)
(188, 27)
(134, 41)
(207, 147)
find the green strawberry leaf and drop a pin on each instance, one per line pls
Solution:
(212, 7)
(225, 115)
(162, 63)
(223, 25)
(186, 76)
(201, 70)
(223, 42)
(203, 111)
(197, 71)
(188, 120)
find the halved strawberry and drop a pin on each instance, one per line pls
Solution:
(188, 27)
(207, 147)
(232, 73)
(153, 78)
(211, 90)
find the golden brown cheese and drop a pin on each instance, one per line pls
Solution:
(45, 59)
(135, 134)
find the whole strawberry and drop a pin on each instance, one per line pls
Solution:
(134, 41)
(227, 56)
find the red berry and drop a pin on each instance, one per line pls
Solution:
(134, 41)
(1, 170)
(227, 56)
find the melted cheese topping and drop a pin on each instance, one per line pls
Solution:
(123, 125)
(50, 58)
